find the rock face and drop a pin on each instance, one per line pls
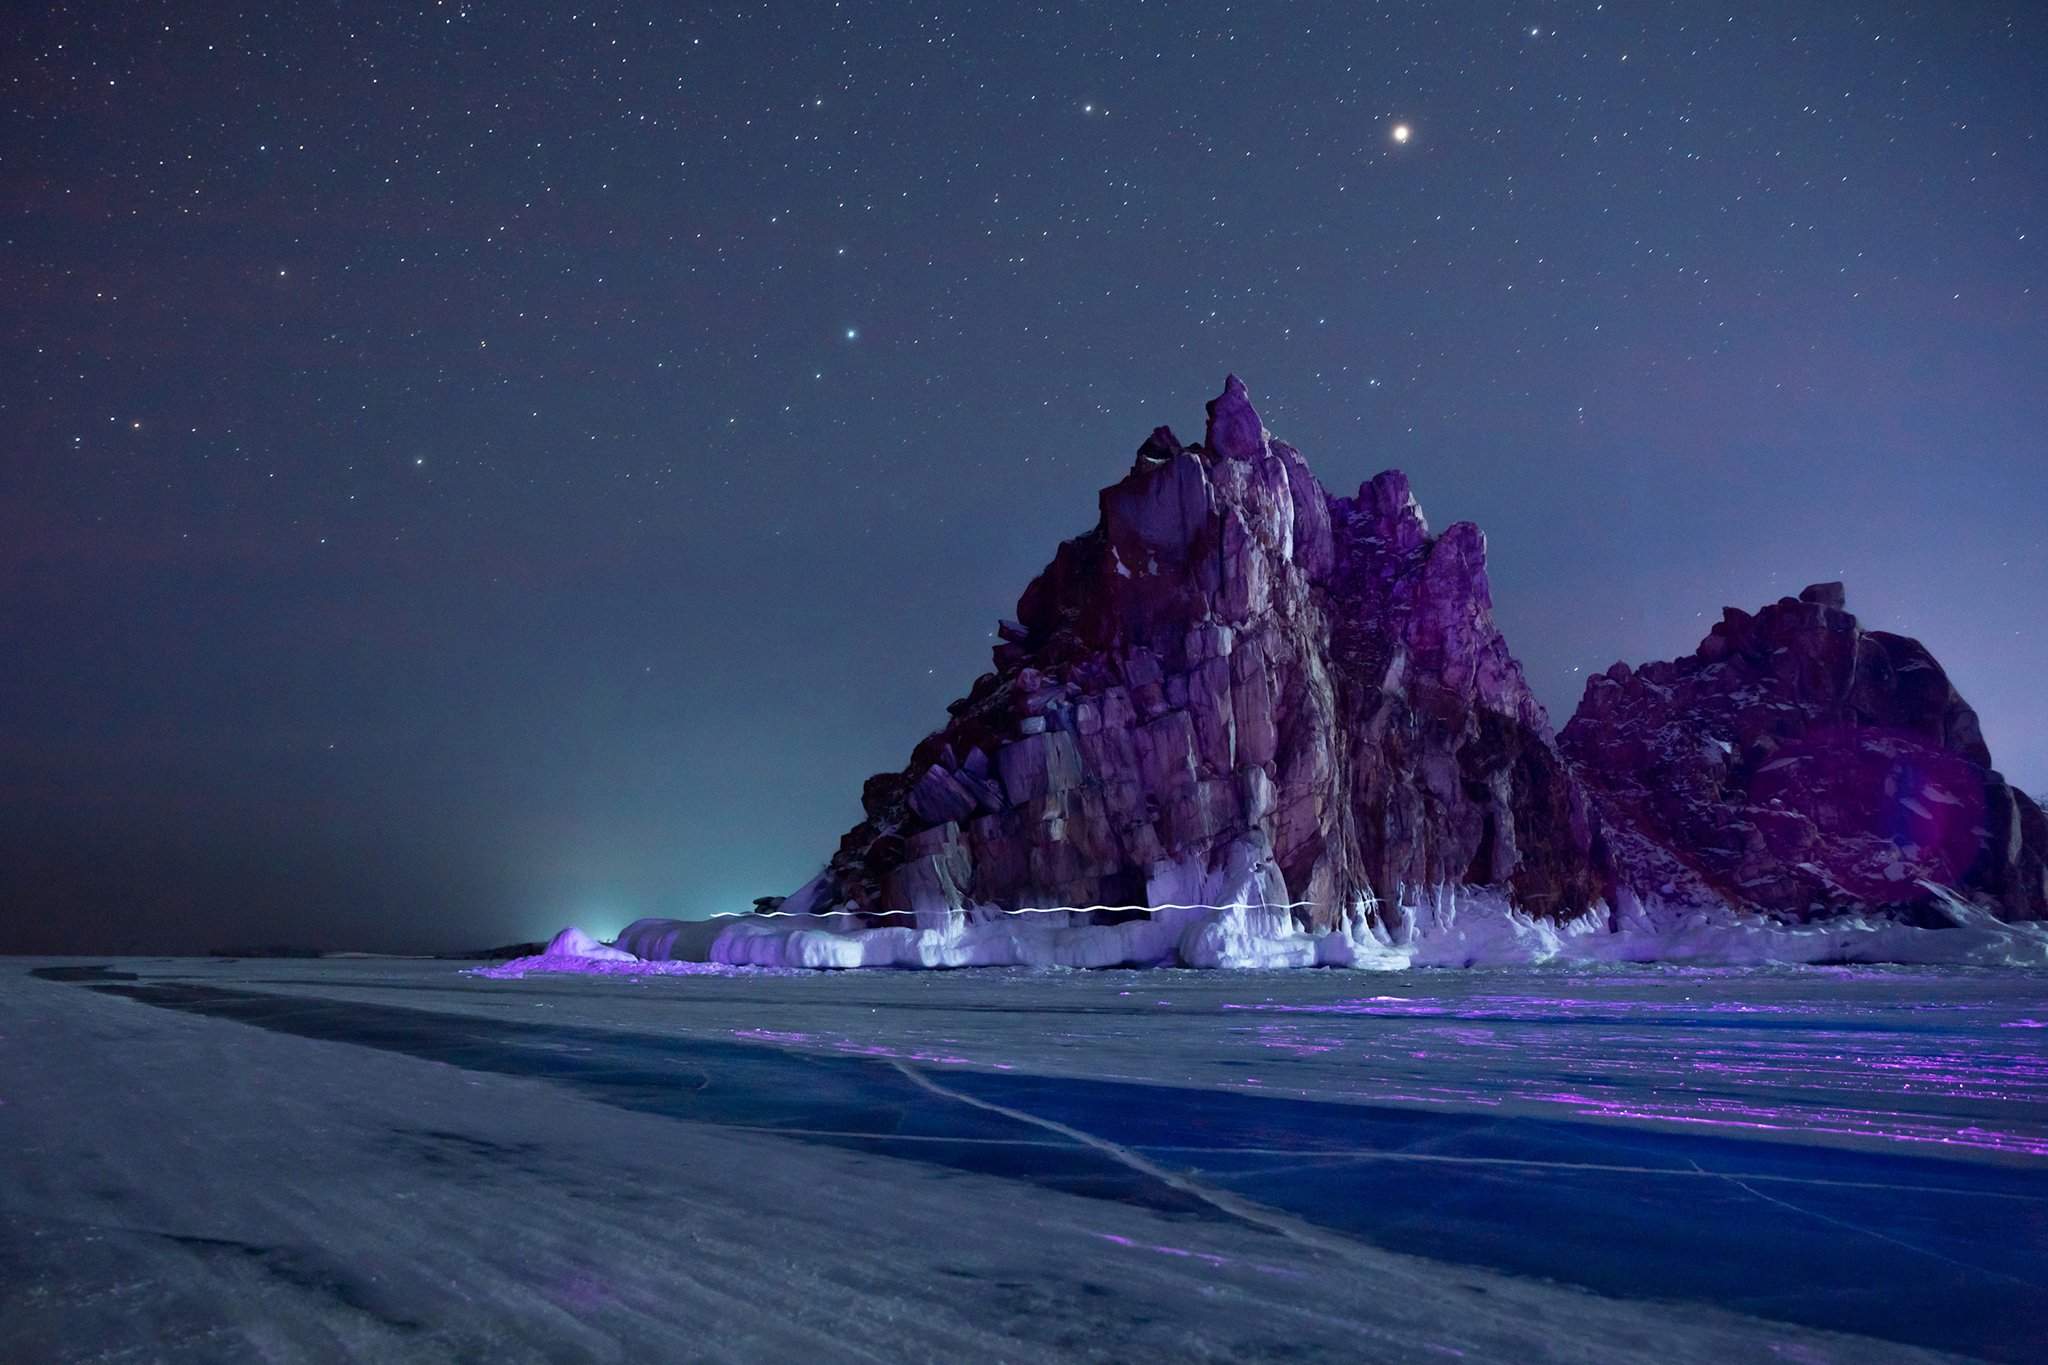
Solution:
(1234, 665)
(1800, 765)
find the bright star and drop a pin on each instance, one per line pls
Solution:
(852, 335)
(1401, 132)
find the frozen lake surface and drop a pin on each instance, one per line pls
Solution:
(400, 1160)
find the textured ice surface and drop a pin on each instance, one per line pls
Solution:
(317, 1160)
(1234, 915)
(1237, 918)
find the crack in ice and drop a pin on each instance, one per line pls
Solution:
(1241, 1209)
(1846, 1225)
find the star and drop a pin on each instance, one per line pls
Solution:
(1401, 132)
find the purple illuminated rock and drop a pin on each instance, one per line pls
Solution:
(1798, 764)
(1234, 430)
(1232, 658)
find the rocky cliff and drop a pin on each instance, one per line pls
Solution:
(1238, 687)
(1234, 668)
(1798, 764)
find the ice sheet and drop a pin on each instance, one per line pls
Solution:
(1238, 918)
(262, 1160)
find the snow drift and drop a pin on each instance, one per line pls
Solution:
(1236, 916)
(1452, 927)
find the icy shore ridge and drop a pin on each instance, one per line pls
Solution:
(1236, 917)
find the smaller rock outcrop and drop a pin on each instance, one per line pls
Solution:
(1798, 764)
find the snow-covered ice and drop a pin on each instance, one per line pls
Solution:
(651, 1161)
(1238, 917)
(573, 943)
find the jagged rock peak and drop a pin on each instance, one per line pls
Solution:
(1161, 446)
(1826, 595)
(1234, 430)
(1390, 511)
(1234, 669)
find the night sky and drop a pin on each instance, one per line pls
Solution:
(474, 468)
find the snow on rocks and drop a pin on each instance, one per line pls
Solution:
(573, 942)
(1442, 926)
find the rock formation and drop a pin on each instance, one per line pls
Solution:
(1234, 668)
(1239, 686)
(1801, 765)
(1244, 723)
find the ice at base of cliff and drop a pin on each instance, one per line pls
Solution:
(572, 942)
(1236, 917)
(1232, 916)
(1463, 928)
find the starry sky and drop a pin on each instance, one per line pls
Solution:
(472, 468)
